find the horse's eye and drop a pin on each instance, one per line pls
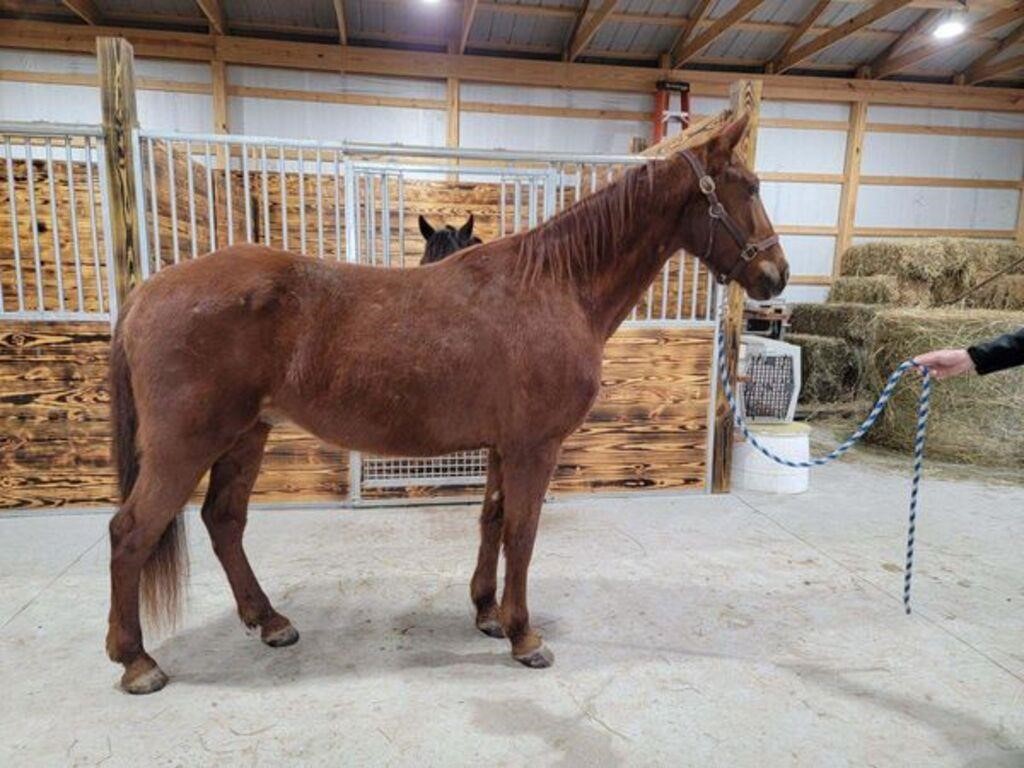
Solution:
(755, 189)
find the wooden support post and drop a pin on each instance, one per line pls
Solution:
(851, 182)
(219, 78)
(120, 117)
(454, 107)
(745, 96)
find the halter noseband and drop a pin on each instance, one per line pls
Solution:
(749, 249)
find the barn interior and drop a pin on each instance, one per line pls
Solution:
(705, 606)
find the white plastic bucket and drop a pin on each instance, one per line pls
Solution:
(753, 471)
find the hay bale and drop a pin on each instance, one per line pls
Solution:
(851, 322)
(974, 419)
(1005, 292)
(830, 368)
(870, 289)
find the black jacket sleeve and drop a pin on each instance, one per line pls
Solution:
(998, 354)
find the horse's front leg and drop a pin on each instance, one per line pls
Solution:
(525, 477)
(484, 585)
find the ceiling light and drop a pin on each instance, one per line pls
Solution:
(953, 25)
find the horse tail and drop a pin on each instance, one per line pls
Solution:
(160, 584)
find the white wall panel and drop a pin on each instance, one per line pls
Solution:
(781, 149)
(551, 134)
(179, 71)
(336, 122)
(936, 207)
(805, 110)
(707, 105)
(40, 61)
(966, 157)
(557, 97)
(51, 103)
(946, 117)
(181, 112)
(805, 204)
(809, 254)
(806, 293)
(336, 82)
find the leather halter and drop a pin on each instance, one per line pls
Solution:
(749, 249)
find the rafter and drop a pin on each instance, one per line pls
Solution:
(798, 32)
(214, 14)
(923, 23)
(86, 10)
(980, 64)
(690, 26)
(588, 28)
(718, 27)
(468, 14)
(339, 13)
(1010, 64)
(877, 11)
(932, 47)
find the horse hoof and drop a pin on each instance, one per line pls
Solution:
(280, 638)
(491, 628)
(149, 680)
(538, 659)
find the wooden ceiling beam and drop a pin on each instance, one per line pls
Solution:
(718, 27)
(214, 13)
(339, 14)
(86, 10)
(798, 32)
(1011, 64)
(926, 50)
(920, 27)
(468, 14)
(689, 26)
(879, 10)
(971, 72)
(593, 18)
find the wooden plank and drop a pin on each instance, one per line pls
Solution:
(876, 12)
(851, 187)
(939, 181)
(946, 130)
(787, 177)
(86, 10)
(468, 15)
(810, 280)
(980, 234)
(745, 101)
(930, 48)
(494, 69)
(119, 119)
(1009, 64)
(214, 13)
(697, 15)
(795, 36)
(970, 73)
(453, 111)
(718, 27)
(219, 79)
(923, 23)
(339, 14)
(588, 28)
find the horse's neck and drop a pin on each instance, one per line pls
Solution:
(641, 247)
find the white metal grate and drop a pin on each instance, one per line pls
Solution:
(460, 468)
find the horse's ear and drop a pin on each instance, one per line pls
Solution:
(722, 146)
(466, 230)
(425, 229)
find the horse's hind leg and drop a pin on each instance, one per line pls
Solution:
(525, 476)
(224, 512)
(485, 578)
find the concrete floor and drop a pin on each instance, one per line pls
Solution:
(746, 630)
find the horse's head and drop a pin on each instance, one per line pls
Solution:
(446, 240)
(728, 226)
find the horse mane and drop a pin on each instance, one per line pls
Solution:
(585, 236)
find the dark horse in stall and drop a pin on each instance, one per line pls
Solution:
(446, 240)
(498, 346)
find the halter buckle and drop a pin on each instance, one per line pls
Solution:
(707, 185)
(750, 250)
(716, 210)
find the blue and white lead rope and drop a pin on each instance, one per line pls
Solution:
(876, 411)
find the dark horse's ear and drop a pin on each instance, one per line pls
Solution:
(425, 229)
(466, 230)
(721, 147)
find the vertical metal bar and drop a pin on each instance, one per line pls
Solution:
(355, 476)
(92, 223)
(561, 186)
(351, 215)
(681, 258)
(74, 224)
(190, 181)
(385, 217)
(172, 191)
(501, 204)
(579, 182)
(319, 207)
(517, 211)
(709, 456)
(401, 217)
(650, 300)
(107, 240)
(337, 207)
(531, 213)
(371, 217)
(135, 148)
(302, 204)
(593, 178)
(708, 308)
(210, 214)
(696, 281)
(266, 194)
(227, 193)
(284, 196)
(38, 263)
(666, 276)
(54, 224)
(19, 285)
(247, 192)
(153, 205)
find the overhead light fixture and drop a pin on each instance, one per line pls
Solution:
(953, 25)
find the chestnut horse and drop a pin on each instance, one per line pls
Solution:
(498, 346)
(447, 240)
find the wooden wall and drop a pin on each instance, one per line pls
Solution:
(647, 431)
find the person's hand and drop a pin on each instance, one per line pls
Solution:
(947, 363)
